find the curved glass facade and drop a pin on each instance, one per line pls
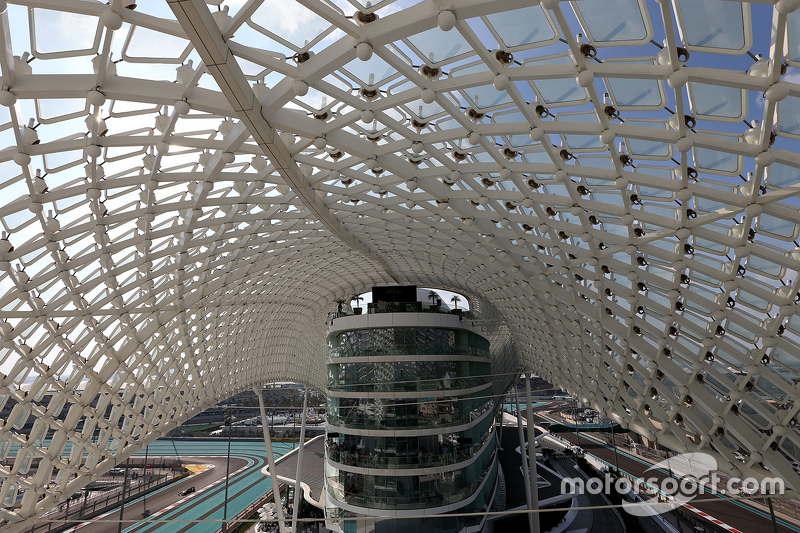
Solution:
(432, 383)
(409, 492)
(407, 376)
(410, 451)
(407, 341)
(482, 500)
(422, 412)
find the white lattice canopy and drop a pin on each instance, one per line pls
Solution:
(187, 186)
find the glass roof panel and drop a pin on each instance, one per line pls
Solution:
(714, 24)
(435, 45)
(777, 226)
(717, 161)
(370, 73)
(648, 149)
(632, 93)
(783, 175)
(65, 33)
(524, 26)
(793, 39)
(581, 142)
(603, 25)
(51, 109)
(149, 46)
(717, 101)
(557, 91)
(486, 96)
(789, 116)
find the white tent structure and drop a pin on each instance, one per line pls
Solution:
(186, 188)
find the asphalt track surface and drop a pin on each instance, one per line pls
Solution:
(202, 511)
(734, 513)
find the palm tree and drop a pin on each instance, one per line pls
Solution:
(455, 299)
(357, 299)
(432, 297)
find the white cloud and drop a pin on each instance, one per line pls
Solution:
(289, 20)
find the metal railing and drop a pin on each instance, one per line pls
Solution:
(420, 385)
(357, 419)
(408, 349)
(409, 461)
(443, 493)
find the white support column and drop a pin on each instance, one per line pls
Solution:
(276, 493)
(535, 528)
(525, 477)
(297, 496)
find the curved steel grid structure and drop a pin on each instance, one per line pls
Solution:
(186, 187)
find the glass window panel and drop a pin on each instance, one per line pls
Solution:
(61, 31)
(370, 73)
(716, 100)
(642, 148)
(660, 172)
(711, 204)
(522, 26)
(764, 266)
(751, 299)
(788, 355)
(51, 108)
(745, 331)
(581, 141)
(616, 229)
(715, 160)
(628, 92)
(780, 175)
(789, 115)
(713, 24)
(519, 140)
(777, 226)
(603, 23)
(485, 96)
(794, 36)
(556, 189)
(423, 110)
(436, 45)
(753, 415)
(149, 45)
(770, 388)
(609, 198)
(709, 245)
(789, 444)
(667, 212)
(537, 157)
(558, 90)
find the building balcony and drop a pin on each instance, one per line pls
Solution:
(391, 460)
